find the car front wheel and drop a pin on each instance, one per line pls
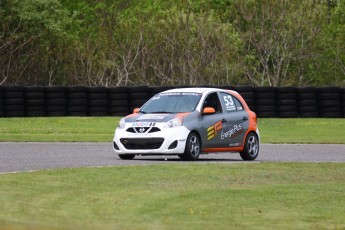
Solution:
(251, 148)
(193, 147)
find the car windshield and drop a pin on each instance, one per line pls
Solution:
(172, 103)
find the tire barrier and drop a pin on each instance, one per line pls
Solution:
(342, 92)
(118, 101)
(284, 102)
(287, 102)
(329, 102)
(265, 101)
(56, 101)
(2, 109)
(307, 102)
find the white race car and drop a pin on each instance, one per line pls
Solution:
(187, 122)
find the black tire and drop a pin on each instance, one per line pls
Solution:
(56, 89)
(118, 96)
(248, 95)
(288, 114)
(137, 96)
(193, 148)
(56, 95)
(80, 95)
(329, 96)
(57, 113)
(307, 109)
(13, 95)
(309, 114)
(251, 147)
(307, 96)
(126, 156)
(118, 89)
(267, 114)
(266, 95)
(303, 90)
(262, 102)
(287, 96)
(35, 96)
(118, 103)
(97, 96)
(56, 108)
(58, 102)
(307, 103)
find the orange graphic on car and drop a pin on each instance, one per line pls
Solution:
(212, 130)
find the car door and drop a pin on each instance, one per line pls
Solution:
(236, 120)
(213, 124)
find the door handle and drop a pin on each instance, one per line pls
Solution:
(224, 120)
(245, 118)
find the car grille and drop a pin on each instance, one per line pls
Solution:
(142, 143)
(143, 129)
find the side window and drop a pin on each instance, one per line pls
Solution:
(212, 100)
(238, 104)
(229, 102)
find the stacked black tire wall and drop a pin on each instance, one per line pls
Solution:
(287, 102)
(2, 109)
(97, 101)
(18, 101)
(307, 102)
(343, 100)
(329, 102)
(138, 96)
(35, 101)
(118, 101)
(77, 101)
(56, 101)
(14, 101)
(265, 101)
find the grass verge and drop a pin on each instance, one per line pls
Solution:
(101, 129)
(178, 196)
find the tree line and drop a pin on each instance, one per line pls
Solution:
(182, 42)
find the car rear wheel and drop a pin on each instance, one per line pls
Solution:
(126, 156)
(193, 147)
(251, 148)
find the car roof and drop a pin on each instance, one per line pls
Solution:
(193, 90)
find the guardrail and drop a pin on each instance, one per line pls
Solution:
(284, 102)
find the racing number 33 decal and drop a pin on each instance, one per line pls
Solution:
(229, 103)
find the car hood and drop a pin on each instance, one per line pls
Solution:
(154, 117)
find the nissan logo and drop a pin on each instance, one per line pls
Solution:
(142, 130)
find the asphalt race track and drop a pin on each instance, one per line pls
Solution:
(18, 157)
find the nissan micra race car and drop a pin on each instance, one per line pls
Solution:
(187, 122)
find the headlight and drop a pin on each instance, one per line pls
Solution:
(122, 123)
(176, 122)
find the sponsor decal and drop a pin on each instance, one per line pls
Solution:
(233, 132)
(152, 117)
(229, 103)
(143, 124)
(234, 144)
(212, 130)
(179, 94)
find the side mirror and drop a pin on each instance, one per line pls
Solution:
(136, 110)
(208, 110)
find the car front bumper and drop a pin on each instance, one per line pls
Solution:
(167, 141)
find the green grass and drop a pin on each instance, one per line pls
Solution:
(178, 196)
(58, 129)
(101, 129)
